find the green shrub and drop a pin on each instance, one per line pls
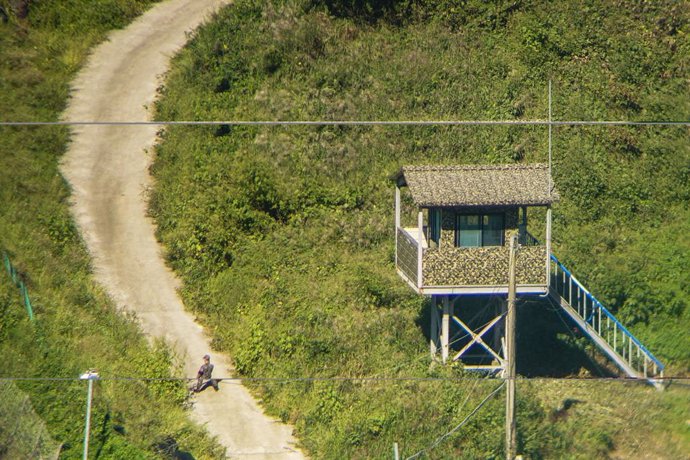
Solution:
(76, 327)
(303, 217)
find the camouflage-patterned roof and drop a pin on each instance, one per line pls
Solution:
(478, 185)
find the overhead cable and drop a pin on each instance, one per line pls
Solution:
(346, 379)
(536, 122)
(460, 425)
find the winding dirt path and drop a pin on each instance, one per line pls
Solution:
(107, 167)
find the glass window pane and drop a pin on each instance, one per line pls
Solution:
(493, 230)
(469, 229)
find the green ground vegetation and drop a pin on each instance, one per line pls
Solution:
(76, 327)
(284, 235)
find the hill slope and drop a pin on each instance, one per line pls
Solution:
(283, 236)
(76, 327)
(108, 169)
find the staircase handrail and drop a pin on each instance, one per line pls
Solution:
(527, 239)
(609, 314)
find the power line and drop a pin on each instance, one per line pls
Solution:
(536, 122)
(343, 379)
(460, 425)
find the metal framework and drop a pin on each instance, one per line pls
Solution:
(477, 339)
(487, 337)
(602, 327)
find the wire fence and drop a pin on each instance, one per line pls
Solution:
(536, 122)
(23, 434)
(18, 280)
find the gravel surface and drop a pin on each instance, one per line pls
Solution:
(107, 167)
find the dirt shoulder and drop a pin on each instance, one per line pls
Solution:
(107, 167)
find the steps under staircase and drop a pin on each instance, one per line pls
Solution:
(602, 327)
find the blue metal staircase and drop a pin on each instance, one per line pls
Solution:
(623, 348)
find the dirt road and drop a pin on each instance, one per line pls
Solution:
(107, 167)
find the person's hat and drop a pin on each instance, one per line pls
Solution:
(207, 357)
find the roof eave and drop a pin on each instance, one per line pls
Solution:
(482, 205)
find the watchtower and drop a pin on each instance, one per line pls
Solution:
(465, 214)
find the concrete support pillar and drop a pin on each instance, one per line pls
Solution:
(445, 328)
(499, 329)
(434, 329)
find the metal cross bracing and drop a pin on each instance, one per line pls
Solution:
(595, 320)
(486, 339)
(568, 294)
(477, 339)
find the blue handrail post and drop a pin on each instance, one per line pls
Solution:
(27, 302)
(17, 280)
(565, 291)
(8, 266)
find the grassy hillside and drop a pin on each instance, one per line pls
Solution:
(76, 327)
(284, 236)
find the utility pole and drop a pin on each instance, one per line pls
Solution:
(510, 354)
(90, 376)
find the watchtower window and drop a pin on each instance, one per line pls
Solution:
(475, 230)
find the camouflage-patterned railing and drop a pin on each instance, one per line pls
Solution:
(407, 256)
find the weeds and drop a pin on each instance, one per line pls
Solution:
(76, 326)
(288, 232)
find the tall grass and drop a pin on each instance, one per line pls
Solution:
(76, 326)
(284, 236)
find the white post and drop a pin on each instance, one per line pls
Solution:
(433, 333)
(90, 376)
(397, 221)
(499, 330)
(445, 328)
(396, 454)
(510, 355)
(420, 240)
(397, 207)
(550, 185)
(548, 248)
